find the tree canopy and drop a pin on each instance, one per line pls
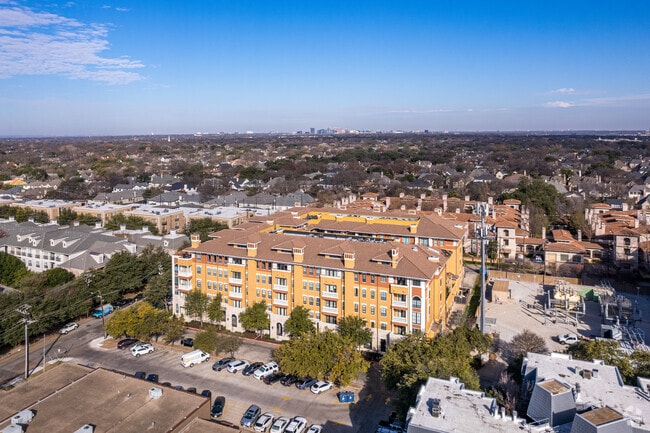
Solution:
(299, 323)
(196, 304)
(354, 329)
(255, 317)
(142, 321)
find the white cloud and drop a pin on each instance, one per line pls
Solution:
(122, 9)
(38, 43)
(564, 91)
(559, 104)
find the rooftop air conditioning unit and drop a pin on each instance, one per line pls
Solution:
(155, 393)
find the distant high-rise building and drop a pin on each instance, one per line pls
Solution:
(312, 130)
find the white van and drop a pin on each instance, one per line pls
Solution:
(194, 357)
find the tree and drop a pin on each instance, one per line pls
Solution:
(216, 312)
(228, 343)
(204, 227)
(354, 329)
(608, 351)
(196, 304)
(255, 318)
(322, 354)
(206, 341)
(299, 323)
(173, 328)
(12, 270)
(527, 341)
(157, 289)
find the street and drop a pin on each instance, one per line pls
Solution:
(86, 346)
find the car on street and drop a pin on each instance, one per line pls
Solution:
(315, 428)
(568, 338)
(250, 416)
(237, 365)
(142, 349)
(69, 327)
(305, 383)
(217, 407)
(265, 370)
(297, 425)
(280, 425)
(127, 342)
(272, 378)
(263, 422)
(321, 386)
(152, 377)
(222, 363)
(247, 371)
(289, 380)
(187, 342)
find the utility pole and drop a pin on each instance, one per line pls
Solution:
(24, 310)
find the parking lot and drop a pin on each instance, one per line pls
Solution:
(371, 404)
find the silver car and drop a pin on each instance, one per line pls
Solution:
(251, 416)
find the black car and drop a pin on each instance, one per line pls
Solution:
(152, 377)
(222, 363)
(248, 370)
(289, 380)
(217, 407)
(206, 393)
(140, 375)
(167, 384)
(191, 390)
(187, 342)
(272, 378)
(126, 343)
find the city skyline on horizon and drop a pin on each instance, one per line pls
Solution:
(127, 68)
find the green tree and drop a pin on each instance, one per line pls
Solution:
(196, 304)
(608, 351)
(12, 270)
(354, 329)
(121, 274)
(228, 343)
(154, 261)
(206, 340)
(57, 276)
(216, 312)
(174, 328)
(157, 289)
(142, 321)
(299, 323)
(255, 318)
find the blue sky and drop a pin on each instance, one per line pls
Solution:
(94, 67)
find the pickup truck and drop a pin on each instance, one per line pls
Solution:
(568, 338)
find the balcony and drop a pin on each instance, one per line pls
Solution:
(329, 310)
(235, 295)
(281, 288)
(234, 281)
(399, 289)
(399, 304)
(185, 273)
(281, 302)
(184, 287)
(330, 295)
(398, 319)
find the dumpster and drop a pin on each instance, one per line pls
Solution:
(346, 397)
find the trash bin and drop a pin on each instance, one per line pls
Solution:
(346, 397)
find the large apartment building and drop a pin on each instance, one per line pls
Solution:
(398, 271)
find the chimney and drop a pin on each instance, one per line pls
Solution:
(422, 196)
(195, 240)
(394, 257)
(348, 260)
(401, 195)
(122, 227)
(298, 254)
(251, 249)
(466, 198)
(413, 228)
(403, 207)
(579, 235)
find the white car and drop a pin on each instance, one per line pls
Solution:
(69, 327)
(568, 339)
(263, 422)
(280, 425)
(237, 365)
(315, 428)
(321, 386)
(265, 370)
(141, 349)
(297, 425)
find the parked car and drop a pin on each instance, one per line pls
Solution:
(191, 390)
(315, 428)
(138, 297)
(140, 375)
(297, 425)
(206, 393)
(250, 416)
(305, 383)
(187, 342)
(69, 327)
(272, 378)
(263, 422)
(237, 365)
(166, 384)
(152, 377)
(280, 425)
(217, 407)
(127, 342)
(321, 386)
(265, 370)
(289, 380)
(247, 371)
(568, 338)
(222, 363)
(141, 349)
(194, 357)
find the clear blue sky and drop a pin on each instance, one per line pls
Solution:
(96, 67)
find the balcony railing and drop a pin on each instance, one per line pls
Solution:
(234, 280)
(330, 310)
(330, 295)
(281, 288)
(281, 302)
(235, 295)
(185, 287)
(399, 319)
(184, 273)
(401, 304)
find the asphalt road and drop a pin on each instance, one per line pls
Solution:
(86, 346)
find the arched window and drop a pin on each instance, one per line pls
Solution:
(233, 319)
(416, 303)
(279, 329)
(626, 241)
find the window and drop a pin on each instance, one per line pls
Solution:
(626, 241)
(304, 285)
(198, 269)
(564, 257)
(382, 311)
(372, 294)
(304, 300)
(356, 307)
(363, 277)
(236, 275)
(416, 303)
(330, 319)
(236, 303)
(318, 302)
(382, 295)
(372, 311)
(363, 293)
(330, 288)
(416, 318)
(283, 267)
(383, 278)
(331, 273)
(506, 233)
(372, 279)
(282, 311)
(382, 326)
(209, 270)
(237, 261)
(281, 296)
(356, 277)
(330, 304)
(257, 278)
(263, 293)
(356, 292)
(311, 300)
(281, 281)
(264, 279)
(198, 283)
(363, 308)
(311, 285)
(257, 292)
